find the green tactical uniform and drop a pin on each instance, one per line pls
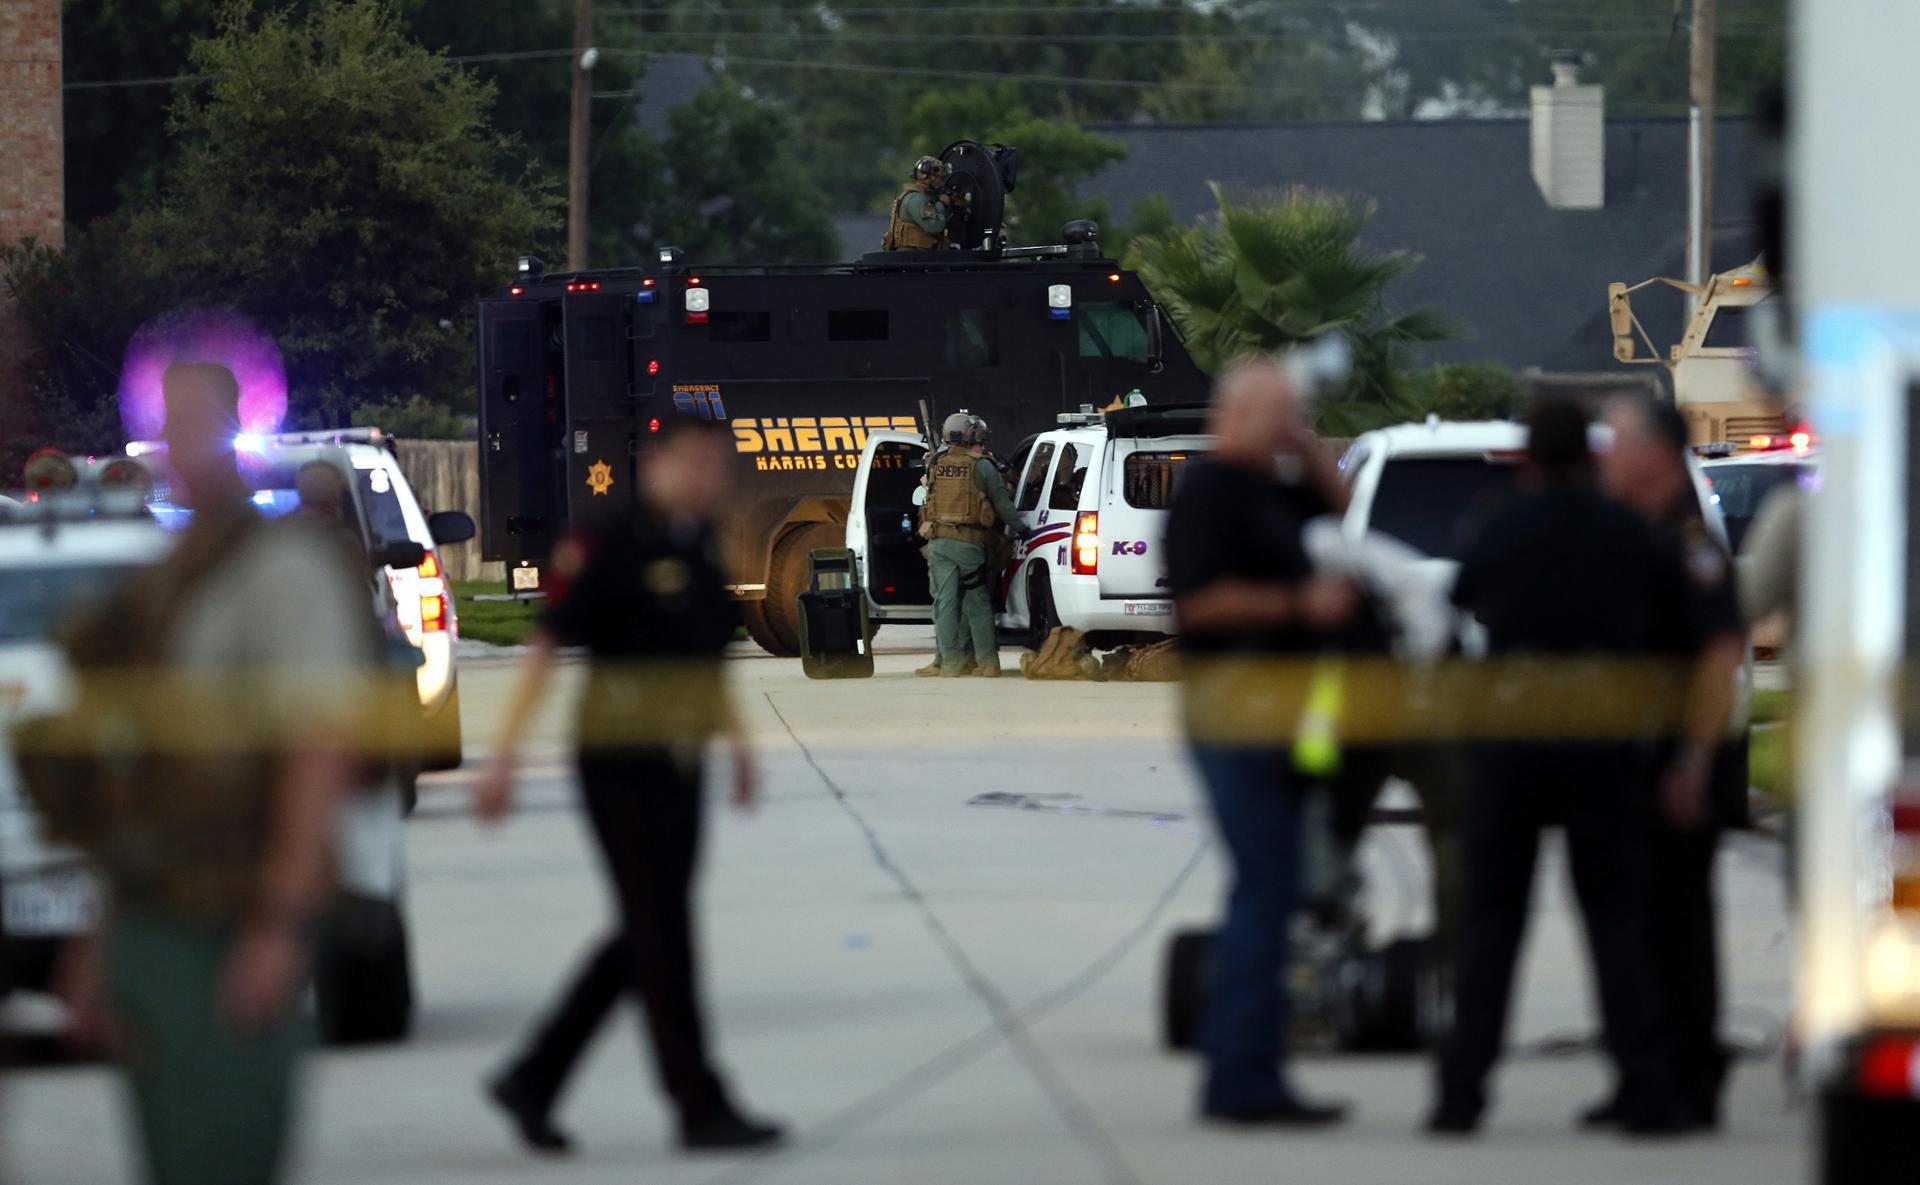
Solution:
(967, 504)
(918, 222)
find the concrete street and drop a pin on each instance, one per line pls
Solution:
(932, 991)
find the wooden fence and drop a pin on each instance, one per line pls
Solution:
(445, 475)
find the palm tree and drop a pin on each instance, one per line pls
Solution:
(1271, 271)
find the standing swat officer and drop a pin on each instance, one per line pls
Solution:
(921, 212)
(967, 505)
(1702, 785)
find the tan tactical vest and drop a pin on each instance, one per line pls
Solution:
(904, 234)
(957, 508)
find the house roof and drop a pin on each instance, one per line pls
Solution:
(1524, 283)
(669, 80)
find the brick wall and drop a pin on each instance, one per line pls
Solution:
(32, 195)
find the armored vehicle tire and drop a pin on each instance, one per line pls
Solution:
(777, 628)
(363, 975)
(1188, 984)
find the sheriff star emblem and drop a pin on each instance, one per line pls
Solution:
(599, 477)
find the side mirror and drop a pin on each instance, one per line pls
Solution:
(450, 526)
(1156, 338)
(401, 553)
(1620, 313)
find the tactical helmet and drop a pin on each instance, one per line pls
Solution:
(957, 428)
(928, 167)
(981, 433)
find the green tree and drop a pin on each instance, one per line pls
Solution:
(1054, 157)
(1484, 54)
(80, 306)
(1271, 271)
(729, 184)
(344, 186)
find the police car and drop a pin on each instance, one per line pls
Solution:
(63, 551)
(57, 555)
(1425, 484)
(1092, 496)
(393, 524)
(1743, 479)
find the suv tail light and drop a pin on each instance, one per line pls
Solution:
(433, 595)
(1890, 1067)
(1086, 543)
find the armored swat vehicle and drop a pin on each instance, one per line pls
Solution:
(1711, 365)
(802, 362)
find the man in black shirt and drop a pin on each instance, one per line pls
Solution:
(1562, 574)
(646, 597)
(1247, 601)
(1701, 780)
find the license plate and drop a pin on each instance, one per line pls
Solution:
(526, 579)
(58, 903)
(1147, 608)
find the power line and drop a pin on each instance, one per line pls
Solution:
(866, 37)
(1064, 80)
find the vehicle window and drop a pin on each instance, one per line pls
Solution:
(1111, 329)
(1036, 477)
(1149, 480)
(1740, 491)
(35, 601)
(1018, 463)
(1068, 476)
(386, 518)
(1425, 502)
(970, 340)
(857, 325)
(1730, 329)
(740, 325)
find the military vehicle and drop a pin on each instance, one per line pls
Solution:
(802, 362)
(1710, 367)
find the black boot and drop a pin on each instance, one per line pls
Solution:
(727, 1130)
(532, 1117)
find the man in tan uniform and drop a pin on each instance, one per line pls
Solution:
(967, 508)
(921, 212)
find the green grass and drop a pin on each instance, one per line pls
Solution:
(1770, 763)
(1771, 707)
(503, 623)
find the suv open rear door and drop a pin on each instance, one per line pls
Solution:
(880, 528)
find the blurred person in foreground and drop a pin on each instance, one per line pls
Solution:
(1559, 574)
(1701, 777)
(646, 596)
(245, 649)
(1247, 602)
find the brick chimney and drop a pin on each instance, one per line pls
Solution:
(32, 160)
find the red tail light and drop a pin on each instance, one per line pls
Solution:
(1086, 543)
(1890, 1068)
(433, 594)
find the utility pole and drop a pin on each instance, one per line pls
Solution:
(1700, 151)
(583, 60)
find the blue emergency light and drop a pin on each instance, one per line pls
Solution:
(1059, 302)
